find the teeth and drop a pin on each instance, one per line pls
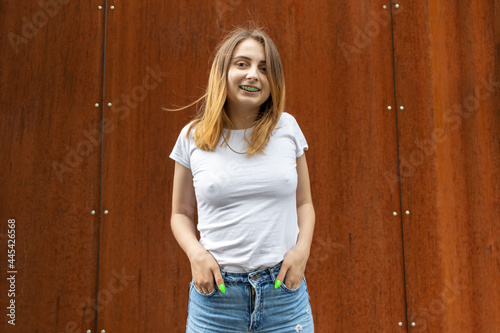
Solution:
(249, 88)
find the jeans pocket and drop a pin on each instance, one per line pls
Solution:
(292, 290)
(193, 287)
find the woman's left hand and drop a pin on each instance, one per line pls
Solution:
(293, 267)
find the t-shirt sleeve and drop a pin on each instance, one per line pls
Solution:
(299, 138)
(181, 152)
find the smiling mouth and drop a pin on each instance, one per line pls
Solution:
(247, 88)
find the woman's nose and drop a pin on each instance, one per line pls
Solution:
(252, 73)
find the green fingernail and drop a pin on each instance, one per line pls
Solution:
(277, 284)
(222, 288)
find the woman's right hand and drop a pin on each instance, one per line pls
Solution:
(205, 269)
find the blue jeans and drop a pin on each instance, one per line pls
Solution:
(250, 304)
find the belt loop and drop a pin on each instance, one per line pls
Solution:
(271, 271)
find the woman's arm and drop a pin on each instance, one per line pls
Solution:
(204, 267)
(294, 263)
(305, 208)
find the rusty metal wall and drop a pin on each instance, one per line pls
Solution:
(447, 80)
(340, 82)
(373, 267)
(51, 78)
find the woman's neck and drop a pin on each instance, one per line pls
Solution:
(242, 119)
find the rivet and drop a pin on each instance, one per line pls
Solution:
(96, 105)
(400, 324)
(389, 108)
(109, 104)
(89, 331)
(413, 324)
(384, 6)
(395, 214)
(106, 211)
(112, 7)
(92, 212)
(397, 6)
(401, 107)
(100, 7)
(407, 212)
(103, 331)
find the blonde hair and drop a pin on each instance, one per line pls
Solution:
(212, 118)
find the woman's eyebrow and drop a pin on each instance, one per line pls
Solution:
(247, 58)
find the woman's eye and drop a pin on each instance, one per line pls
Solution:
(240, 64)
(263, 69)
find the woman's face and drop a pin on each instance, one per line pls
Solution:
(247, 84)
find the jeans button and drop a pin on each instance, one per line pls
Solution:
(255, 277)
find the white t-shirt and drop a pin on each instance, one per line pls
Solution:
(247, 211)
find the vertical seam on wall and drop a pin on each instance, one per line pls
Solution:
(100, 176)
(399, 166)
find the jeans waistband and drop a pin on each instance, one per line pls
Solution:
(267, 273)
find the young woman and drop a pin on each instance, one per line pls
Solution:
(242, 162)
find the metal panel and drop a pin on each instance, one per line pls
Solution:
(157, 55)
(447, 82)
(340, 84)
(337, 59)
(50, 79)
